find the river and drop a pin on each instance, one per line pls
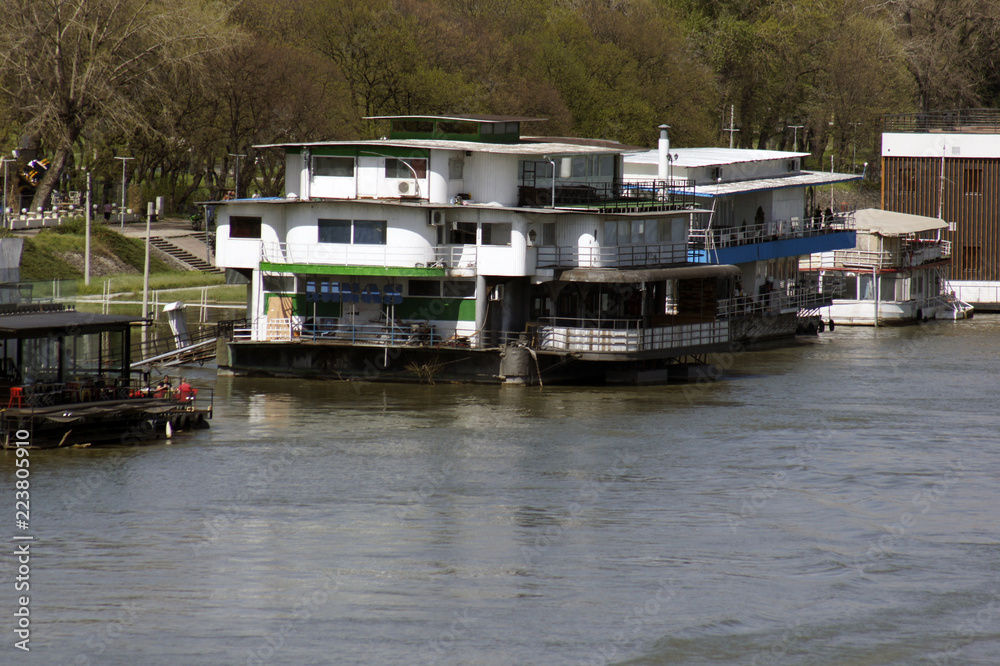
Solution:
(833, 501)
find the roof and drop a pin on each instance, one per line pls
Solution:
(888, 223)
(801, 179)
(531, 149)
(606, 275)
(459, 117)
(65, 322)
(703, 157)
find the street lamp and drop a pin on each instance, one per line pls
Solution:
(236, 190)
(5, 159)
(795, 136)
(122, 211)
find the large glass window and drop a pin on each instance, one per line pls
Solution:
(369, 232)
(424, 287)
(337, 167)
(398, 168)
(497, 234)
(334, 231)
(459, 289)
(244, 227)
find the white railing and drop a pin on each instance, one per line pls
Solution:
(618, 256)
(719, 237)
(630, 337)
(911, 254)
(444, 256)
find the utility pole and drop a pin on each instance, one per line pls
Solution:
(5, 159)
(732, 126)
(236, 190)
(122, 211)
(86, 242)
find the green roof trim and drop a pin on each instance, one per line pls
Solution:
(374, 271)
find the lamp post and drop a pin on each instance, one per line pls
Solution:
(236, 190)
(86, 251)
(122, 211)
(795, 136)
(5, 160)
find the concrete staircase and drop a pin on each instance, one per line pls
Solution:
(182, 255)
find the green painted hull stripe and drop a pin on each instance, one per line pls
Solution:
(375, 271)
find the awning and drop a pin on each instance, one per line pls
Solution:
(888, 223)
(20, 324)
(638, 275)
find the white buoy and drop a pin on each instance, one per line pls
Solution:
(169, 430)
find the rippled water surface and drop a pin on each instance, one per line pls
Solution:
(830, 502)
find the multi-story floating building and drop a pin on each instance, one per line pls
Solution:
(457, 249)
(895, 273)
(946, 164)
(761, 212)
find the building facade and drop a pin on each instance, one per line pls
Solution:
(947, 165)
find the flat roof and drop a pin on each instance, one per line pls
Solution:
(629, 275)
(801, 179)
(888, 223)
(470, 117)
(531, 148)
(64, 322)
(703, 157)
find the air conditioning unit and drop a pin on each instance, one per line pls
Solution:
(404, 187)
(436, 218)
(496, 294)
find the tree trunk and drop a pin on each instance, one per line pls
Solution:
(51, 179)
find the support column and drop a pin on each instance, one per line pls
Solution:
(482, 302)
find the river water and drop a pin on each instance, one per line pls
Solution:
(829, 502)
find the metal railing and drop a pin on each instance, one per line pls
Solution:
(619, 256)
(911, 253)
(442, 256)
(703, 237)
(976, 121)
(612, 195)
(626, 336)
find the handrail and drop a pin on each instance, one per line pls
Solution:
(718, 237)
(436, 256)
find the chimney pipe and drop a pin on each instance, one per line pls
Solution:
(664, 152)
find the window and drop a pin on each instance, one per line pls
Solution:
(456, 169)
(548, 235)
(413, 126)
(398, 168)
(464, 233)
(244, 227)
(359, 232)
(334, 231)
(973, 181)
(497, 234)
(336, 167)
(458, 127)
(424, 288)
(369, 232)
(459, 289)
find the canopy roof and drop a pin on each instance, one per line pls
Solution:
(649, 274)
(59, 323)
(888, 223)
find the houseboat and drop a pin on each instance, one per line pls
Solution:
(895, 274)
(456, 249)
(68, 381)
(762, 213)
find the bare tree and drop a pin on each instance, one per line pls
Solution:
(69, 67)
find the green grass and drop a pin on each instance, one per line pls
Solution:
(46, 255)
(131, 283)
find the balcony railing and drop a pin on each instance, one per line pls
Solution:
(614, 196)
(702, 238)
(445, 256)
(972, 121)
(912, 253)
(620, 256)
(625, 336)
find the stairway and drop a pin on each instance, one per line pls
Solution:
(183, 255)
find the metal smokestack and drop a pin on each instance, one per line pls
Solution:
(664, 152)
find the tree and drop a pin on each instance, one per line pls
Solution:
(75, 66)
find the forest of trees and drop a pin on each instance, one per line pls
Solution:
(186, 86)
